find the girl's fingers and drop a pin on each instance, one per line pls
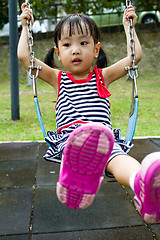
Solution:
(25, 16)
(23, 6)
(130, 12)
(129, 9)
(26, 12)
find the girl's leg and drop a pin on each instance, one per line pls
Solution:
(123, 167)
(144, 179)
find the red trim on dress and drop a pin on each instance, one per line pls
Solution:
(80, 81)
(102, 90)
(59, 82)
(70, 124)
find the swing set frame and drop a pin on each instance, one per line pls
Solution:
(132, 76)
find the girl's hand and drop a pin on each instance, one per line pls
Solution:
(129, 13)
(26, 15)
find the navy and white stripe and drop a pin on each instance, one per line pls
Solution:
(80, 102)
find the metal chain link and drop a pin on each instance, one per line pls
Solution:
(133, 70)
(31, 52)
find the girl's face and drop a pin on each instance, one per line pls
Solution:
(77, 52)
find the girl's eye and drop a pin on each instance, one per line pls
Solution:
(66, 44)
(83, 43)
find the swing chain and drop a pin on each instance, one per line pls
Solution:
(133, 70)
(31, 52)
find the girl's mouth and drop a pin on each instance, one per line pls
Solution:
(76, 61)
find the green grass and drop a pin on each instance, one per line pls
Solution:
(27, 128)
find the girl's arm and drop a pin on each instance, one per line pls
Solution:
(47, 74)
(117, 70)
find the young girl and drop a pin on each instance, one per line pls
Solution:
(84, 139)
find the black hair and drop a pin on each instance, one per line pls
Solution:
(74, 21)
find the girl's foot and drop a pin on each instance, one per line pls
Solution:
(147, 188)
(85, 158)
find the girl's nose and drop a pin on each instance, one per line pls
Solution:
(75, 51)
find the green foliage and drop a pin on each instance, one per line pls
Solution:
(50, 8)
(4, 13)
(44, 9)
(147, 5)
(97, 6)
(76, 6)
(93, 7)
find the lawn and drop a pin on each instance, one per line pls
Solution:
(27, 128)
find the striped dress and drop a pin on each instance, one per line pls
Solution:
(78, 102)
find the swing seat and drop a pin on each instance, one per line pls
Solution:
(132, 122)
(39, 117)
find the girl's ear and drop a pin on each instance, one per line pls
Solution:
(97, 48)
(57, 52)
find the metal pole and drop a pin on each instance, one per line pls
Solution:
(13, 40)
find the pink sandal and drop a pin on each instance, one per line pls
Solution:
(147, 188)
(85, 157)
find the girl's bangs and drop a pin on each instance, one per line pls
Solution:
(75, 24)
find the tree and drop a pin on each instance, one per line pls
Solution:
(44, 8)
(99, 5)
(85, 6)
(4, 13)
(147, 5)
(50, 8)
(76, 6)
